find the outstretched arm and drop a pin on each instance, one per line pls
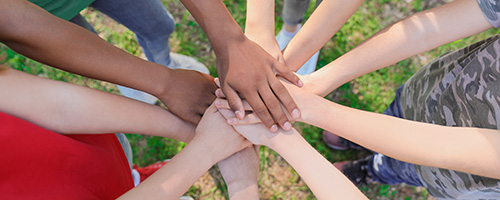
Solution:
(243, 66)
(417, 33)
(259, 27)
(324, 180)
(241, 173)
(72, 109)
(456, 148)
(214, 141)
(325, 21)
(35, 33)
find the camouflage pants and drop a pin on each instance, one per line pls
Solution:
(388, 170)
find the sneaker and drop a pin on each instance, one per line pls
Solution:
(137, 95)
(357, 171)
(339, 143)
(284, 37)
(179, 61)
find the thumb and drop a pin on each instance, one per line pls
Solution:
(285, 72)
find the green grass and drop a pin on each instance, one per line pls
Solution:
(371, 92)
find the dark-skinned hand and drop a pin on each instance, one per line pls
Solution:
(189, 94)
(248, 70)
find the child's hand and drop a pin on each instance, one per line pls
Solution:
(269, 44)
(257, 134)
(247, 69)
(218, 138)
(300, 95)
(189, 95)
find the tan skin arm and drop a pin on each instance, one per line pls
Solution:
(243, 66)
(71, 109)
(33, 32)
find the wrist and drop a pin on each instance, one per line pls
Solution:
(258, 29)
(243, 189)
(232, 37)
(281, 141)
(308, 110)
(160, 82)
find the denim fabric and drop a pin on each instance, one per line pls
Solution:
(294, 10)
(148, 19)
(389, 170)
(151, 23)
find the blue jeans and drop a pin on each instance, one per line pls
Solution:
(388, 170)
(152, 25)
(294, 10)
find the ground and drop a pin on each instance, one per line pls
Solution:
(371, 92)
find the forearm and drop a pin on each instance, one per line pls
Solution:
(74, 49)
(214, 18)
(70, 109)
(456, 148)
(241, 173)
(173, 179)
(214, 141)
(260, 20)
(248, 191)
(324, 180)
(418, 33)
(318, 29)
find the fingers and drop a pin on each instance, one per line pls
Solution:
(274, 106)
(223, 104)
(219, 93)
(217, 82)
(261, 111)
(234, 102)
(227, 114)
(232, 120)
(285, 72)
(249, 119)
(285, 98)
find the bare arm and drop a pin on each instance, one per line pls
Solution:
(241, 173)
(417, 33)
(325, 21)
(243, 66)
(31, 31)
(324, 180)
(72, 109)
(260, 27)
(455, 148)
(214, 141)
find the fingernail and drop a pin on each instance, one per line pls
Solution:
(217, 103)
(230, 121)
(274, 128)
(238, 114)
(287, 126)
(217, 93)
(300, 83)
(296, 113)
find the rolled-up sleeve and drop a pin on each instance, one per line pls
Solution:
(491, 9)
